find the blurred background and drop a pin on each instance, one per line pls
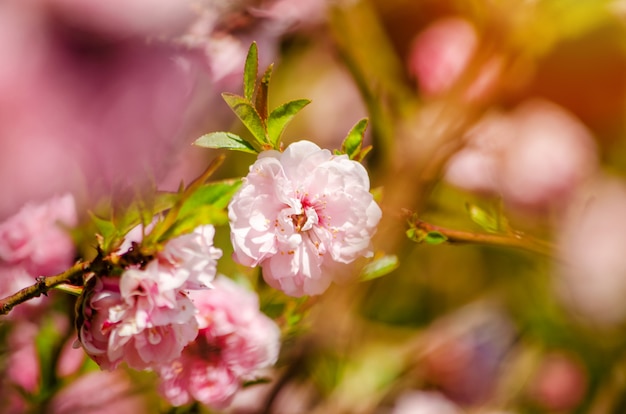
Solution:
(501, 122)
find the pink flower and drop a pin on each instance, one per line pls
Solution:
(235, 341)
(193, 256)
(300, 213)
(591, 271)
(37, 238)
(135, 318)
(424, 402)
(441, 54)
(99, 393)
(535, 157)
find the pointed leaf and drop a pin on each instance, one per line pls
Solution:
(380, 267)
(483, 218)
(250, 71)
(281, 116)
(224, 140)
(435, 237)
(352, 144)
(247, 113)
(217, 194)
(363, 153)
(262, 95)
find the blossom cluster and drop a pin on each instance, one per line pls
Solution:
(235, 340)
(203, 337)
(145, 316)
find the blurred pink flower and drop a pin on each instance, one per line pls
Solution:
(99, 393)
(37, 237)
(135, 319)
(591, 271)
(193, 257)
(235, 341)
(88, 104)
(22, 365)
(560, 382)
(535, 158)
(424, 402)
(299, 214)
(441, 53)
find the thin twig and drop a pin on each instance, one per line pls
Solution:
(42, 286)
(514, 240)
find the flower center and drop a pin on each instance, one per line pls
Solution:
(299, 220)
(306, 218)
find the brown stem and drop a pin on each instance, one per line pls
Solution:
(42, 286)
(515, 240)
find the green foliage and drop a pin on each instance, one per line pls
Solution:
(486, 220)
(262, 94)
(248, 115)
(251, 68)
(435, 237)
(252, 110)
(178, 213)
(280, 118)
(380, 267)
(225, 140)
(353, 143)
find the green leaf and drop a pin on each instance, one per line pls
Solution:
(262, 95)
(217, 194)
(281, 116)
(247, 113)
(352, 143)
(250, 71)
(186, 223)
(105, 227)
(224, 140)
(380, 267)
(434, 237)
(206, 205)
(483, 218)
(415, 235)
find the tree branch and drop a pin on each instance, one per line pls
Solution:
(514, 240)
(42, 286)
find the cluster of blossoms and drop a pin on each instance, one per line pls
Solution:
(300, 215)
(145, 316)
(235, 340)
(203, 337)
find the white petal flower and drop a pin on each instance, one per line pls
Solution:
(301, 212)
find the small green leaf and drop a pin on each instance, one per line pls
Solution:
(105, 227)
(224, 140)
(483, 218)
(206, 205)
(281, 116)
(380, 267)
(250, 71)
(217, 194)
(434, 237)
(262, 94)
(352, 143)
(415, 235)
(247, 113)
(186, 223)
(363, 153)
